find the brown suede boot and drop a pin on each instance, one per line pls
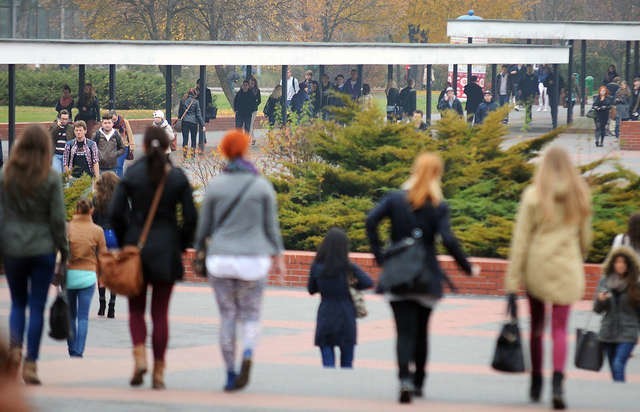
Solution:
(140, 367)
(13, 361)
(158, 374)
(30, 373)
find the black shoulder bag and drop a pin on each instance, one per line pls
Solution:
(199, 261)
(508, 355)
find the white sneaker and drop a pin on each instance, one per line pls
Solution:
(539, 109)
(545, 109)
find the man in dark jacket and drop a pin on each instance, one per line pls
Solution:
(474, 97)
(610, 75)
(243, 104)
(528, 91)
(488, 105)
(553, 99)
(61, 132)
(407, 99)
(353, 86)
(110, 145)
(450, 102)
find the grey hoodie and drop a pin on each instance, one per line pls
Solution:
(621, 317)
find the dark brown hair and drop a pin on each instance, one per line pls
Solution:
(156, 143)
(30, 162)
(105, 186)
(83, 207)
(633, 231)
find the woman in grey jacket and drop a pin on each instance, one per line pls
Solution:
(618, 299)
(32, 231)
(192, 121)
(239, 227)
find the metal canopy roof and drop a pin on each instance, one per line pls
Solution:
(97, 52)
(560, 30)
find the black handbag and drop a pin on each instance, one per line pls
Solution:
(508, 355)
(404, 268)
(589, 354)
(59, 319)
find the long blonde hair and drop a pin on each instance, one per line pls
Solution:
(557, 181)
(424, 184)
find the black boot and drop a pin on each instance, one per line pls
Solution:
(536, 387)
(558, 394)
(406, 390)
(418, 383)
(103, 301)
(112, 306)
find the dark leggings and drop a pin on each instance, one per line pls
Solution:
(601, 129)
(412, 344)
(160, 295)
(189, 128)
(243, 121)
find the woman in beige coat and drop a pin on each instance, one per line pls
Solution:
(551, 237)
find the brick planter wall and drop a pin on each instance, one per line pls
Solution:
(221, 123)
(630, 135)
(490, 281)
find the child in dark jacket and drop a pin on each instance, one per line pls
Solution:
(618, 299)
(331, 274)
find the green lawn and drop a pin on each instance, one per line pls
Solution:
(27, 114)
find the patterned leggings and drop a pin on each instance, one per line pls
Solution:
(238, 301)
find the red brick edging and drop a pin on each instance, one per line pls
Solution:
(630, 135)
(489, 283)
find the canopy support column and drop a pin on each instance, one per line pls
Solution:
(569, 86)
(168, 91)
(12, 106)
(429, 86)
(283, 99)
(112, 87)
(583, 75)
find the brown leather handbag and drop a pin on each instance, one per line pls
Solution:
(121, 269)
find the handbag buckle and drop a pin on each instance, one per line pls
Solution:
(416, 233)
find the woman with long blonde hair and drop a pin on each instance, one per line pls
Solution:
(550, 240)
(418, 211)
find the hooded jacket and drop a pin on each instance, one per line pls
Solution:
(110, 147)
(547, 255)
(621, 317)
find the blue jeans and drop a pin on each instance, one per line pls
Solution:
(189, 129)
(79, 304)
(110, 239)
(618, 355)
(29, 279)
(119, 169)
(57, 163)
(329, 357)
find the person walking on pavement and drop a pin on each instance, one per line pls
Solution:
(331, 275)
(488, 105)
(618, 300)
(32, 204)
(474, 97)
(162, 252)
(123, 127)
(105, 186)
(543, 74)
(272, 106)
(239, 230)
(65, 102)
(81, 154)
(528, 90)
(88, 108)
(602, 106)
(61, 132)
(407, 99)
(110, 146)
(160, 122)
(421, 202)
(192, 121)
(551, 238)
(244, 104)
(86, 241)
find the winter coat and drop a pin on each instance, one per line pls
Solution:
(456, 105)
(622, 102)
(336, 318)
(483, 110)
(500, 79)
(602, 108)
(244, 103)
(194, 114)
(432, 220)
(528, 87)
(407, 99)
(88, 109)
(110, 149)
(271, 109)
(474, 97)
(353, 90)
(621, 317)
(547, 256)
(162, 254)
(393, 97)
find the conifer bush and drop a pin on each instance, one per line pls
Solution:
(331, 173)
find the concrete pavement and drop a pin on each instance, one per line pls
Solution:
(287, 374)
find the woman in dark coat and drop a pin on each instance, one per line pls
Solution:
(331, 273)
(423, 200)
(162, 254)
(602, 106)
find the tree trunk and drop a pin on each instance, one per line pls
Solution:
(222, 72)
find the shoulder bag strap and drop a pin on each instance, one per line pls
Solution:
(187, 109)
(154, 208)
(235, 202)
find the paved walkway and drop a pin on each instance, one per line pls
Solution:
(287, 374)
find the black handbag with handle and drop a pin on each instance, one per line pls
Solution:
(59, 318)
(508, 355)
(589, 354)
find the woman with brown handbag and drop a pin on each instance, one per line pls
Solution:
(162, 252)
